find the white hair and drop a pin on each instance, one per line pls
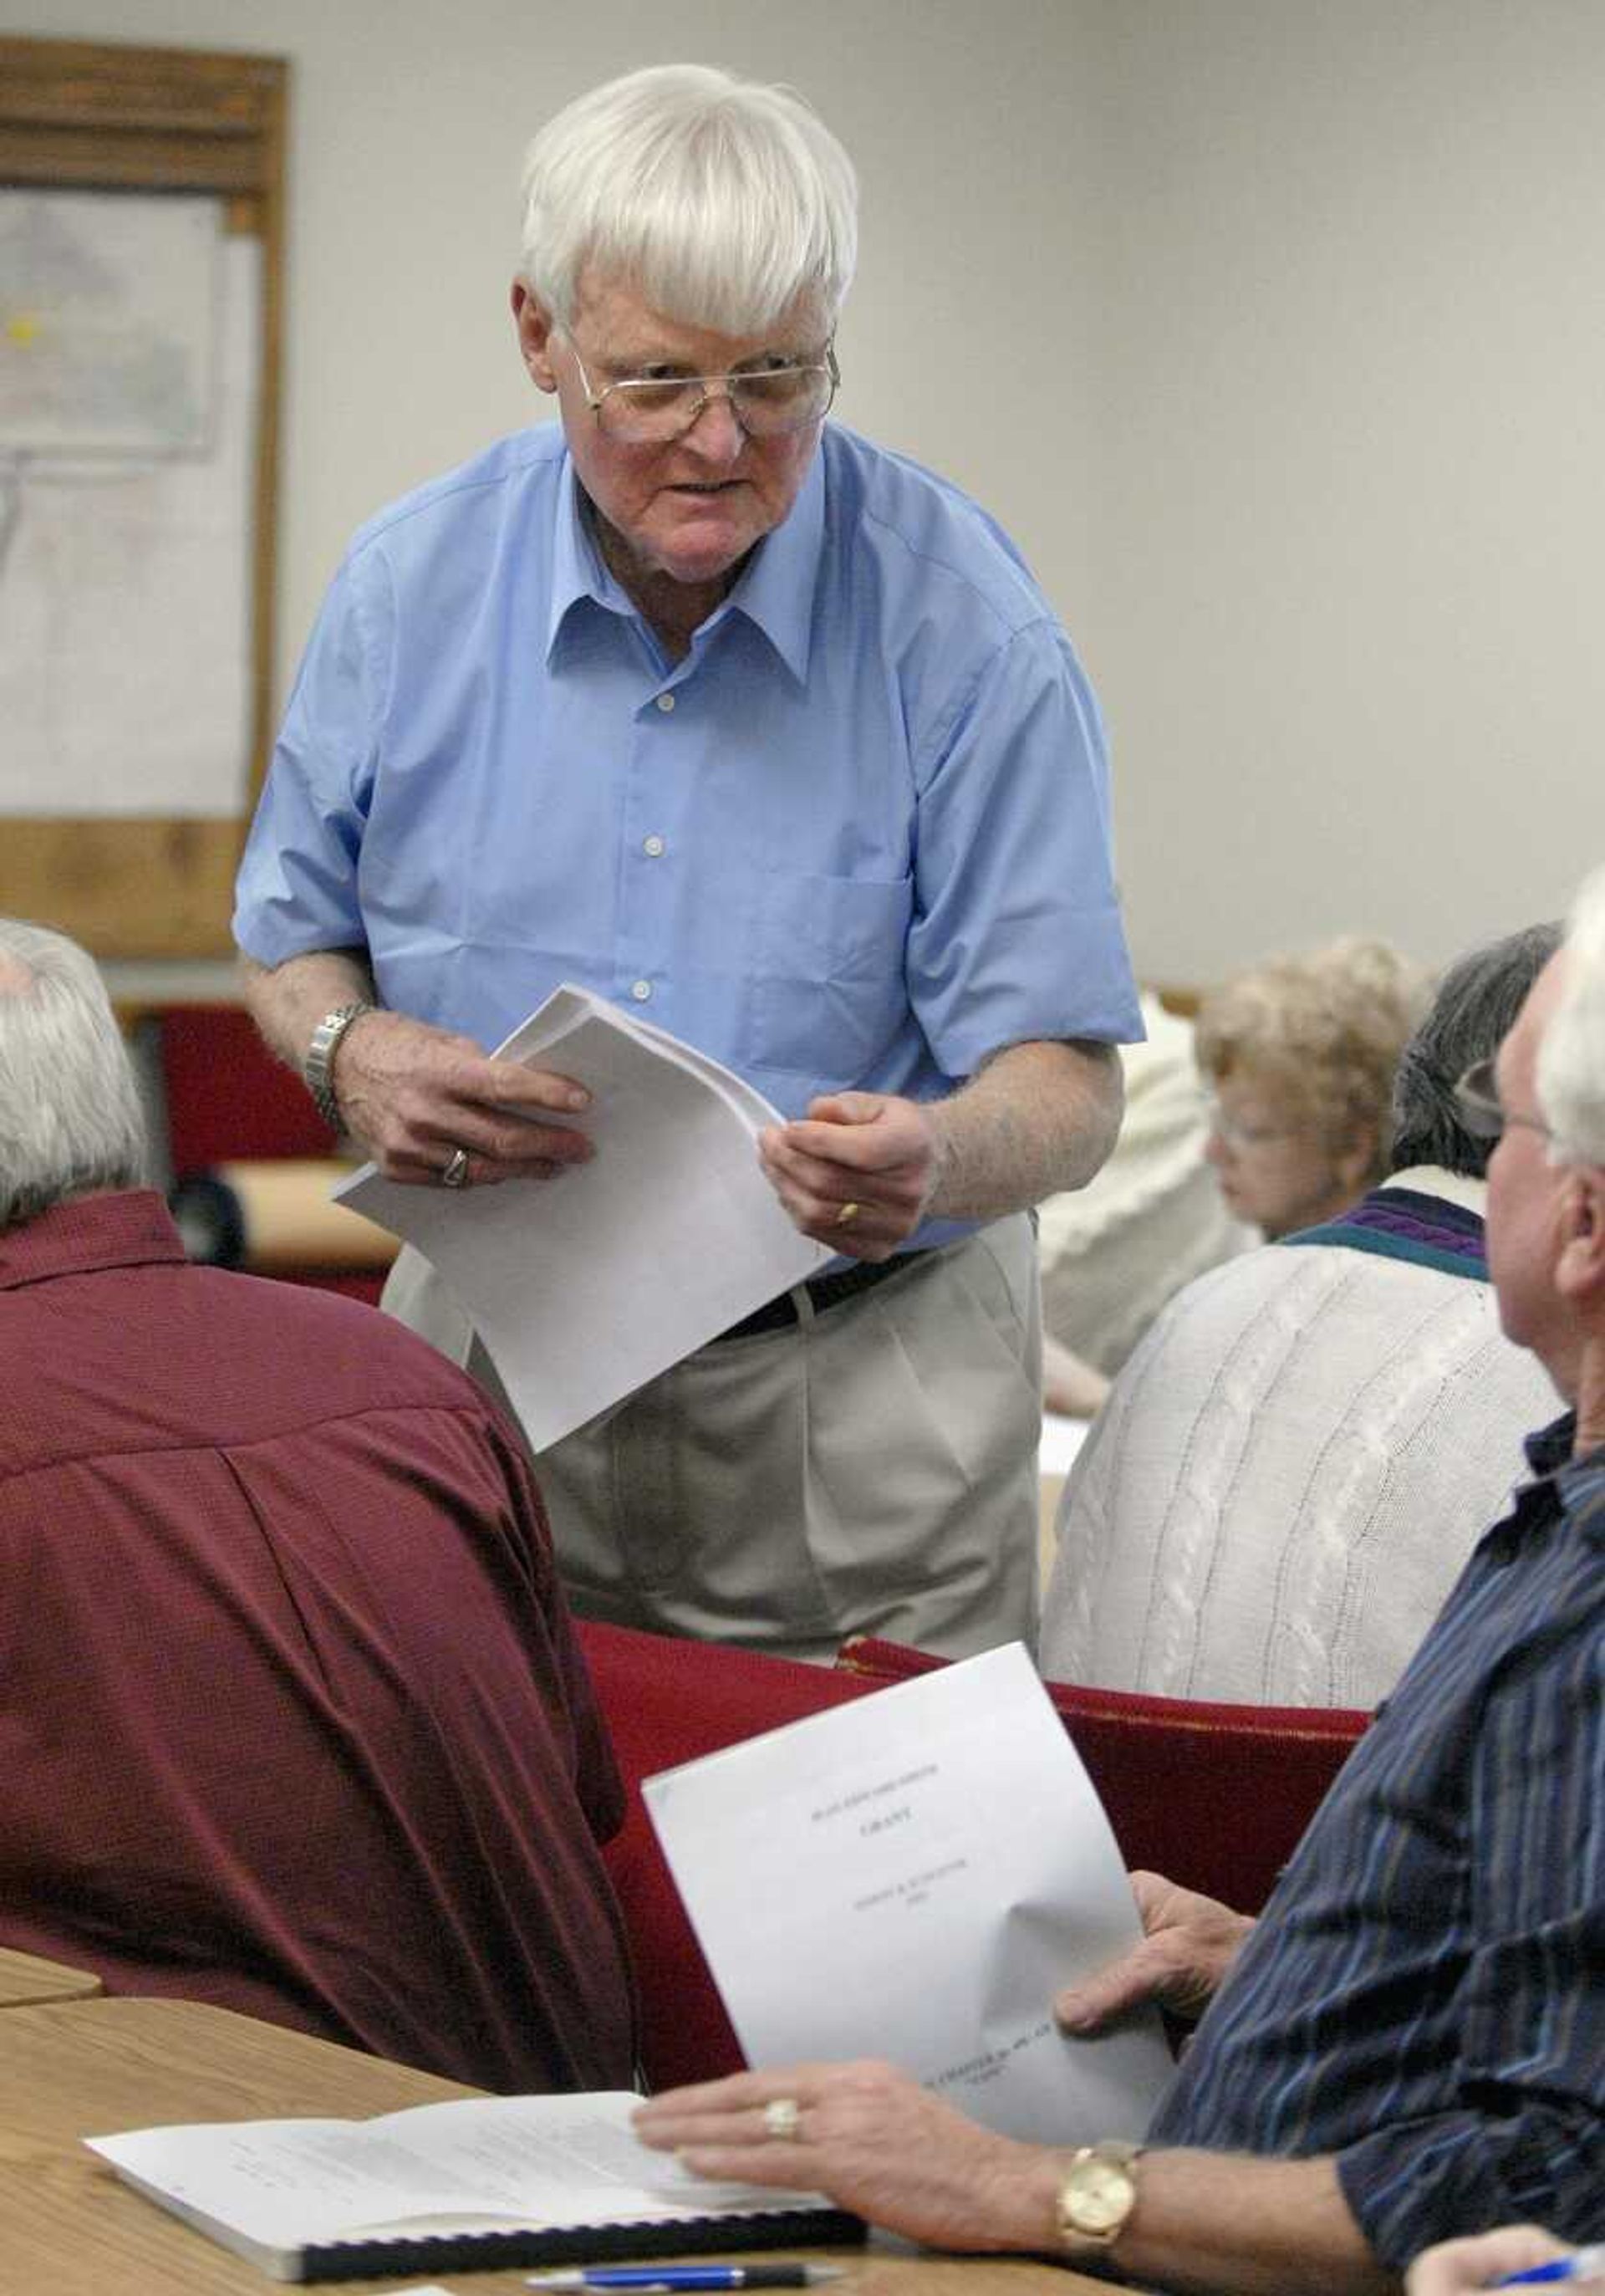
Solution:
(70, 1121)
(722, 202)
(1571, 1053)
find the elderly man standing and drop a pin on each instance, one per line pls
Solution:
(291, 1715)
(1410, 2044)
(728, 715)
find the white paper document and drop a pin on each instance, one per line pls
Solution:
(915, 1876)
(279, 2191)
(585, 1286)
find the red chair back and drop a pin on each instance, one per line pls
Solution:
(665, 1702)
(227, 1098)
(1214, 1796)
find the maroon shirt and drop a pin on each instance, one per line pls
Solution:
(292, 1717)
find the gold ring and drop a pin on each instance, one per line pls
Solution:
(847, 1214)
(782, 2118)
(456, 1175)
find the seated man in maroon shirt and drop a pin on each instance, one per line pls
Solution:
(291, 1719)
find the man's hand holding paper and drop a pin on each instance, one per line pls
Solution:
(858, 1172)
(414, 1095)
(1188, 1943)
(671, 1233)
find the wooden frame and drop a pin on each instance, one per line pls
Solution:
(84, 117)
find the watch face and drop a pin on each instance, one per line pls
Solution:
(1099, 2194)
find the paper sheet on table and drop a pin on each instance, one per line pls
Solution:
(585, 1286)
(913, 1876)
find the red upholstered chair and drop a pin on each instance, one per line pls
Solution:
(1214, 1796)
(665, 1702)
(227, 1098)
(231, 1110)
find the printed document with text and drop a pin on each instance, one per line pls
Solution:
(915, 1876)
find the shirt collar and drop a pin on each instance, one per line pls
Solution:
(774, 591)
(1581, 1481)
(1548, 1450)
(1578, 1483)
(125, 1227)
(577, 568)
(1433, 1180)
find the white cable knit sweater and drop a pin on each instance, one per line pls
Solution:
(1288, 1476)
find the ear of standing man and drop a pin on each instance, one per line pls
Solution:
(714, 708)
(1409, 2045)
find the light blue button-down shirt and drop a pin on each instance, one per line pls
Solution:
(858, 837)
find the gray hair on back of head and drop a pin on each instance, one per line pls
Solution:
(1470, 1017)
(722, 202)
(1571, 1055)
(70, 1120)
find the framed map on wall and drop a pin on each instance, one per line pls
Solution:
(140, 197)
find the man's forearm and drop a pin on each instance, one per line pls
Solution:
(1227, 2224)
(1222, 2221)
(1037, 1119)
(287, 1001)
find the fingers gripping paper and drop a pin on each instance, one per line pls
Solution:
(585, 1286)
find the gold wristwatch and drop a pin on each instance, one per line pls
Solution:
(1097, 2196)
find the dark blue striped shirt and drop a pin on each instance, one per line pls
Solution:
(1424, 1995)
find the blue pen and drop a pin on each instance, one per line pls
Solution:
(673, 2277)
(1581, 2264)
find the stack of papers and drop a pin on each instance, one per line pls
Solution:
(584, 1287)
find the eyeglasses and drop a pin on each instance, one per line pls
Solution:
(1236, 1134)
(649, 410)
(1481, 1110)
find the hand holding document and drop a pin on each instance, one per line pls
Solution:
(913, 1876)
(585, 1286)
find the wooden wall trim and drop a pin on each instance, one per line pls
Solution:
(74, 114)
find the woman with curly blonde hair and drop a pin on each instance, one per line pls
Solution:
(1300, 1053)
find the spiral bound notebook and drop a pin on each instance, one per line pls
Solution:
(488, 2182)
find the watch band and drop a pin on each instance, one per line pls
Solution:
(317, 1069)
(1096, 2197)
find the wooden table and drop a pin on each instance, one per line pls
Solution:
(26, 1980)
(74, 2069)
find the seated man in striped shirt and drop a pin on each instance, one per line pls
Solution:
(1410, 2042)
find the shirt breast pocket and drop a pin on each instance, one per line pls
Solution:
(828, 992)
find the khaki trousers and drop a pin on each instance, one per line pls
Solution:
(871, 1470)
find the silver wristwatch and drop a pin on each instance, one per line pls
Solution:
(317, 1069)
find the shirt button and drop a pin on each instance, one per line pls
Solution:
(641, 991)
(652, 846)
(666, 702)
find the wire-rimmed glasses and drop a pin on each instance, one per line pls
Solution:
(1481, 1110)
(767, 402)
(1238, 1134)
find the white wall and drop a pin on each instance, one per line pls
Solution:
(1349, 466)
(409, 119)
(1271, 328)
